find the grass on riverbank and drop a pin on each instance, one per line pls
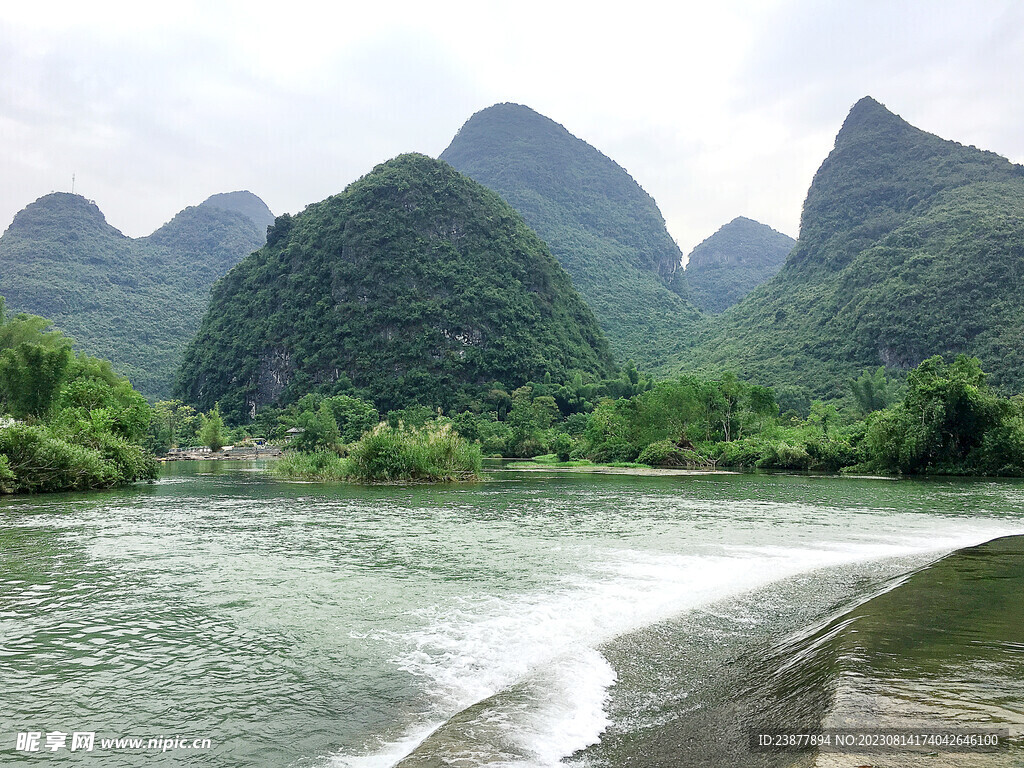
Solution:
(385, 454)
(321, 466)
(551, 460)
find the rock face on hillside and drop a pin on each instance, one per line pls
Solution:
(415, 284)
(731, 263)
(910, 246)
(604, 229)
(135, 302)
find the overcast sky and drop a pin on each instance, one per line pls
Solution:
(717, 109)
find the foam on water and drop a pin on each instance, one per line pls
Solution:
(528, 664)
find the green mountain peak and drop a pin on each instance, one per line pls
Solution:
(732, 262)
(882, 172)
(910, 246)
(415, 284)
(243, 202)
(63, 207)
(603, 228)
(134, 302)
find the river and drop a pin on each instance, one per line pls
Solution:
(529, 620)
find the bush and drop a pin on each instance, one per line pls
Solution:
(494, 437)
(319, 465)
(783, 455)
(1002, 449)
(614, 449)
(8, 480)
(130, 460)
(431, 453)
(763, 454)
(561, 446)
(41, 462)
(832, 454)
(211, 433)
(353, 416)
(663, 453)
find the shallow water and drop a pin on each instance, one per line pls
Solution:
(512, 622)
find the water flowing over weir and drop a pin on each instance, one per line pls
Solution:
(533, 620)
(939, 648)
(689, 690)
(686, 686)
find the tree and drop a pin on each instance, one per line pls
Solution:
(87, 419)
(353, 416)
(33, 365)
(942, 422)
(173, 424)
(823, 415)
(92, 385)
(30, 379)
(320, 430)
(211, 433)
(727, 399)
(872, 391)
(528, 419)
(561, 446)
(761, 407)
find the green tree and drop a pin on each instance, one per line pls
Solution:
(872, 391)
(211, 433)
(941, 423)
(529, 419)
(353, 416)
(31, 376)
(92, 385)
(561, 446)
(823, 416)
(320, 430)
(760, 408)
(173, 425)
(86, 420)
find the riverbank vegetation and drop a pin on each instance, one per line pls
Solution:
(947, 421)
(386, 454)
(941, 418)
(69, 422)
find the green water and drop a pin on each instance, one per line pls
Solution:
(515, 621)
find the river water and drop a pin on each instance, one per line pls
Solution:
(532, 620)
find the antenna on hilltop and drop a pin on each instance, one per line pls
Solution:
(72, 183)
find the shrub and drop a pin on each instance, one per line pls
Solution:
(318, 465)
(561, 446)
(832, 454)
(8, 480)
(433, 453)
(783, 455)
(613, 449)
(41, 462)
(663, 453)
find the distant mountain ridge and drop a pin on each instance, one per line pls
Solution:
(243, 202)
(910, 246)
(604, 229)
(135, 302)
(731, 263)
(414, 285)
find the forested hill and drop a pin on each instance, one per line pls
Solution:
(604, 229)
(207, 240)
(731, 263)
(245, 203)
(414, 285)
(910, 246)
(135, 302)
